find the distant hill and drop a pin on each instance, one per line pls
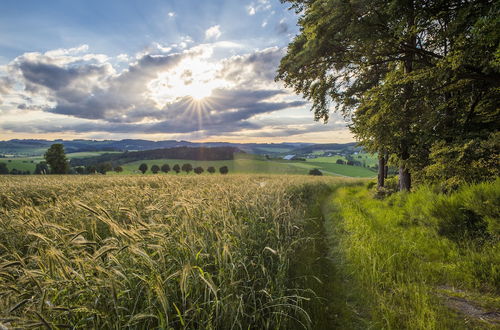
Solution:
(191, 153)
(327, 146)
(34, 147)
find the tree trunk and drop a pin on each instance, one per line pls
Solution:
(404, 174)
(404, 179)
(381, 170)
(386, 167)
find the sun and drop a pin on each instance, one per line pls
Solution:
(195, 78)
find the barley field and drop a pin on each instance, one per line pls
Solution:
(154, 252)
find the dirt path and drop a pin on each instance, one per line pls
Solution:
(467, 307)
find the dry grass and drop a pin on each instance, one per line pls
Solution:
(151, 252)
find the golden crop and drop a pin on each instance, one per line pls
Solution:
(152, 252)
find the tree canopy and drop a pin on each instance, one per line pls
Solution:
(56, 159)
(411, 76)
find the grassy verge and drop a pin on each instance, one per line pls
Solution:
(420, 260)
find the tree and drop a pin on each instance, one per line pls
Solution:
(223, 170)
(3, 168)
(165, 168)
(315, 171)
(118, 169)
(104, 167)
(211, 169)
(155, 169)
(56, 159)
(340, 161)
(198, 170)
(187, 168)
(408, 73)
(143, 168)
(14, 171)
(176, 168)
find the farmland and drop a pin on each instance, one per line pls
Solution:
(148, 252)
(266, 251)
(241, 164)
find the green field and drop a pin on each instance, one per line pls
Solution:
(243, 163)
(336, 169)
(29, 163)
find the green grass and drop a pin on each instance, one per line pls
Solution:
(29, 163)
(239, 166)
(336, 169)
(398, 259)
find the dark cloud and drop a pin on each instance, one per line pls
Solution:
(98, 99)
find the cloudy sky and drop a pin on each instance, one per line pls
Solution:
(172, 69)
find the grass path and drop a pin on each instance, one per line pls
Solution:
(390, 273)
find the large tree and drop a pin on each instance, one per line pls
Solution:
(407, 73)
(56, 159)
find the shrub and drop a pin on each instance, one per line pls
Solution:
(198, 170)
(223, 170)
(187, 168)
(155, 169)
(211, 169)
(143, 168)
(165, 168)
(471, 213)
(315, 171)
(176, 168)
(118, 169)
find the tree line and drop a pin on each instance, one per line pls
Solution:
(191, 153)
(56, 162)
(418, 81)
(165, 168)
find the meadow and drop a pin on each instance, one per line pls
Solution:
(154, 251)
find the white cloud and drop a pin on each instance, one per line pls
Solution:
(256, 6)
(171, 14)
(122, 58)
(213, 33)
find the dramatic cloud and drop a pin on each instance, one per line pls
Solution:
(157, 93)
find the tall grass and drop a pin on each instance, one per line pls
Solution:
(152, 252)
(399, 253)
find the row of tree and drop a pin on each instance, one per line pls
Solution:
(165, 168)
(418, 80)
(57, 163)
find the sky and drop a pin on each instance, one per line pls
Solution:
(173, 69)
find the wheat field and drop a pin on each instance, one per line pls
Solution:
(209, 252)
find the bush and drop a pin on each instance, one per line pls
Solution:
(143, 168)
(165, 168)
(187, 168)
(155, 169)
(315, 171)
(472, 213)
(211, 169)
(223, 170)
(198, 170)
